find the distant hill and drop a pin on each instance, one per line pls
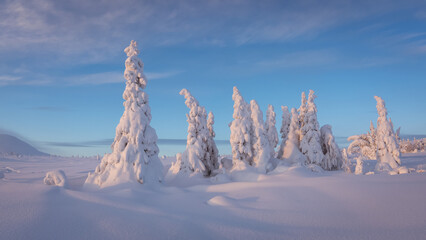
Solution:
(11, 144)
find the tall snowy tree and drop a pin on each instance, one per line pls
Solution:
(387, 146)
(241, 128)
(198, 154)
(311, 142)
(303, 110)
(270, 129)
(291, 147)
(211, 146)
(332, 156)
(285, 128)
(262, 152)
(134, 156)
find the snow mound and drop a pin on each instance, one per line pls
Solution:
(220, 201)
(56, 178)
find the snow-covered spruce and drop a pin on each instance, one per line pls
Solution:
(332, 156)
(201, 152)
(303, 109)
(387, 146)
(134, 156)
(285, 128)
(270, 129)
(212, 148)
(56, 178)
(291, 150)
(311, 142)
(262, 151)
(241, 128)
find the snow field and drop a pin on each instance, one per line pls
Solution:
(291, 202)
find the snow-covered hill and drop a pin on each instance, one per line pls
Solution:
(10, 144)
(291, 202)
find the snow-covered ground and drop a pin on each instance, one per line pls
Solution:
(288, 203)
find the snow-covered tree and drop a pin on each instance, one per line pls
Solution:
(332, 156)
(415, 145)
(134, 156)
(303, 109)
(198, 154)
(241, 128)
(291, 150)
(270, 129)
(364, 144)
(387, 146)
(311, 142)
(346, 166)
(359, 166)
(372, 137)
(285, 128)
(211, 146)
(261, 146)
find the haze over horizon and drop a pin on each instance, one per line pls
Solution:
(62, 63)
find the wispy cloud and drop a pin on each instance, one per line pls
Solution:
(56, 25)
(161, 75)
(301, 59)
(100, 142)
(114, 77)
(30, 79)
(109, 141)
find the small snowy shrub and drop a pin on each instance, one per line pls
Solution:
(415, 145)
(56, 178)
(364, 144)
(332, 156)
(359, 166)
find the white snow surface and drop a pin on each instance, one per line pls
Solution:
(291, 202)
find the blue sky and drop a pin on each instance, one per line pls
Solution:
(61, 64)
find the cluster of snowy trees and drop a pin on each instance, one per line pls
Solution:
(381, 143)
(302, 140)
(201, 154)
(411, 146)
(134, 156)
